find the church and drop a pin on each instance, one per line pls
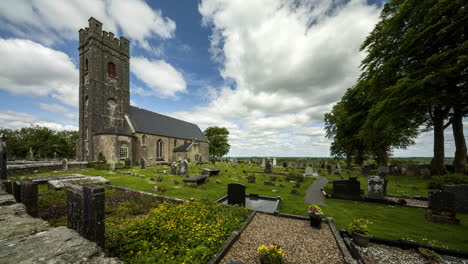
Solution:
(108, 124)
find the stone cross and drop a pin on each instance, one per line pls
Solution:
(236, 194)
(174, 168)
(375, 187)
(65, 164)
(3, 158)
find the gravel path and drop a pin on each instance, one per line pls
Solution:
(314, 192)
(300, 242)
(382, 254)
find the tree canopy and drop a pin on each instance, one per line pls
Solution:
(218, 138)
(43, 141)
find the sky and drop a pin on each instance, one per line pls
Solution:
(267, 70)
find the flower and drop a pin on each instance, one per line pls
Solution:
(315, 210)
(360, 226)
(272, 254)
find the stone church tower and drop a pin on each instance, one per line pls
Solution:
(104, 95)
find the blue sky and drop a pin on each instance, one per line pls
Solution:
(266, 69)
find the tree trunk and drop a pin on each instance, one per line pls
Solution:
(359, 159)
(437, 163)
(349, 160)
(460, 144)
(382, 157)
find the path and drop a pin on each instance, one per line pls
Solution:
(314, 193)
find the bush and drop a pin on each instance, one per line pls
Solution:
(175, 233)
(360, 226)
(101, 157)
(127, 163)
(295, 176)
(439, 182)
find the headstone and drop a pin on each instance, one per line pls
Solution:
(441, 207)
(174, 168)
(8, 187)
(112, 166)
(3, 158)
(55, 155)
(85, 212)
(263, 162)
(236, 194)
(461, 197)
(274, 161)
(29, 197)
(65, 164)
(142, 164)
(375, 187)
(366, 170)
(383, 171)
(210, 171)
(285, 164)
(31, 154)
(425, 173)
(268, 167)
(184, 168)
(269, 183)
(17, 191)
(329, 169)
(347, 189)
(251, 179)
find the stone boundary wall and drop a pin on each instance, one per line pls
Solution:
(29, 168)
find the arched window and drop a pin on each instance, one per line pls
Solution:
(159, 149)
(123, 153)
(143, 140)
(86, 65)
(111, 69)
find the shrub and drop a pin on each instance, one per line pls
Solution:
(439, 182)
(101, 157)
(127, 163)
(175, 233)
(295, 176)
(360, 226)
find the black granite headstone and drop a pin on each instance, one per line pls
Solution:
(236, 194)
(461, 197)
(142, 164)
(285, 165)
(441, 207)
(268, 167)
(29, 197)
(347, 189)
(17, 191)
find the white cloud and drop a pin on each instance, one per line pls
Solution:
(58, 110)
(17, 120)
(29, 68)
(160, 76)
(50, 21)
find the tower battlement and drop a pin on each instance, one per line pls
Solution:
(94, 31)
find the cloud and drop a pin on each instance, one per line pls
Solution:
(58, 110)
(160, 76)
(51, 21)
(29, 68)
(17, 120)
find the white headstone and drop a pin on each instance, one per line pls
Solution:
(375, 187)
(263, 162)
(274, 161)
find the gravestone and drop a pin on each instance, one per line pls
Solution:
(274, 161)
(251, 179)
(210, 171)
(195, 180)
(263, 162)
(236, 194)
(112, 166)
(285, 164)
(309, 172)
(29, 197)
(383, 171)
(17, 191)
(31, 154)
(3, 158)
(55, 155)
(142, 164)
(184, 168)
(347, 189)
(425, 173)
(441, 207)
(8, 187)
(461, 197)
(65, 164)
(375, 187)
(174, 168)
(268, 167)
(329, 169)
(366, 170)
(85, 212)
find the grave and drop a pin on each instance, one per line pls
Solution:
(329, 169)
(64, 183)
(174, 168)
(45, 179)
(309, 172)
(375, 187)
(268, 167)
(383, 171)
(285, 165)
(441, 207)
(210, 171)
(3, 158)
(253, 201)
(65, 164)
(183, 168)
(274, 161)
(347, 189)
(142, 164)
(366, 170)
(251, 179)
(263, 162)
(461, 197)
(29, 197)
(195, 180)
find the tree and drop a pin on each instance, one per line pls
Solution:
(218, 139)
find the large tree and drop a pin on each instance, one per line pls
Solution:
(218, 139)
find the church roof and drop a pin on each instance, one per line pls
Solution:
(148, 122)
(183, 148)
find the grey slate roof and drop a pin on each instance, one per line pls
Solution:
(183, 148)
(148, 122)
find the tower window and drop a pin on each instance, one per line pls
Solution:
(111, 69)
(123, 153)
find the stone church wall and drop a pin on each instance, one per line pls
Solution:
(109, 146)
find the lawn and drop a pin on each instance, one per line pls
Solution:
(392, 222)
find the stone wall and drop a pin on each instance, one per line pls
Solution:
(109, 146)
(29, 168)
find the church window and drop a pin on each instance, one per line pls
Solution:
(159, 149)
(123, 154)
(111, 69)
(143, 140)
